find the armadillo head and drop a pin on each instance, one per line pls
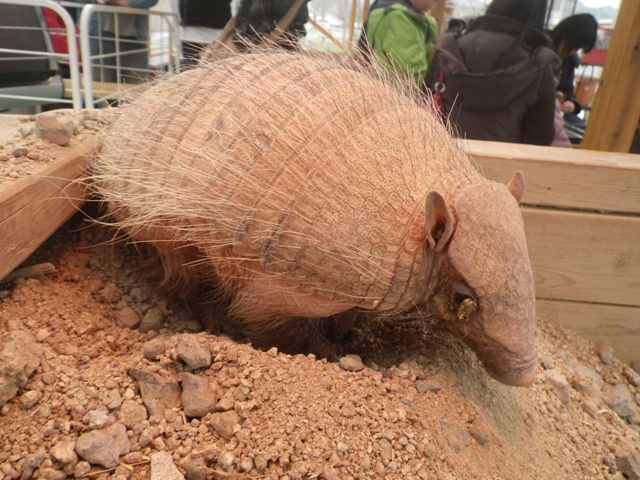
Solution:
(486, 291)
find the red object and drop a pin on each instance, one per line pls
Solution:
(598, 55)
(58, 34)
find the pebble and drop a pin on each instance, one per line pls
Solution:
(197, 397)
(424, 386)
(163, 468)
(606, 354)
(131, 413)
(351, 363)
(64, 452)
(158, 393)
(152, 320)
(20, 355)
(96, 419)
(104, 447)
(192, 352)
(154, 348)
(128, 317)
(558, 384)
(20, 152)
(619, 399)
(225, 424)
(54, 129)
(30, 399)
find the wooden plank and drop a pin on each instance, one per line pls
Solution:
(33, 208)
(105, 89)
(562, 177)
(584, 256)
(614, 325)
(616, 106)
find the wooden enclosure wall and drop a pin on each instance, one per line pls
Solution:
(582, 219)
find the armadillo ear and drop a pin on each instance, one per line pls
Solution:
(516, 186)
(439, 224)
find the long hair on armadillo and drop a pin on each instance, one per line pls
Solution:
(310, 170)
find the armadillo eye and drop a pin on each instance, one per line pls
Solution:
(466, 308)
(464, 301)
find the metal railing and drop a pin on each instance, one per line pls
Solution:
(83, 89)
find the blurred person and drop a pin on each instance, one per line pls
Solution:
(496, 80)
(201, 22)
(401, 35)
(258, 18)
(131, 44)
(578, 32)
(456, 25)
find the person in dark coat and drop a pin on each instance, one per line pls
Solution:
(201, 22)
(257, 18)
(577, 32)
(498, 76)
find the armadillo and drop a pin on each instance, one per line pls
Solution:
(307, 188)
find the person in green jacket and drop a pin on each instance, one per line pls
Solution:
(401, 35)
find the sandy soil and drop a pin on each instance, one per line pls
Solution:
(110, 365)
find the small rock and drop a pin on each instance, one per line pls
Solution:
(546, 361)
(606, 354)
(635, 366)
(81, 469)
(32, 462)
(628, 463)
(272, 352)
(158, 393)
(110, 293)
(588, 381)
(480, 434)
(632, 376)
(131, 413)
(163, 468)
(20, 152)
(154, 348)
(104, 447)
(54, 129)
(424, 386)
(64, 452)
(30, 399)
(351, 363)
(97, 419)
(225, 424)
(152, 320)
(226, 460)
(128, 317)
(20, 355)
(197, 397)
(619, 399)
(192, 352)
(558, 384)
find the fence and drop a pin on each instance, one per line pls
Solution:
(92, 66)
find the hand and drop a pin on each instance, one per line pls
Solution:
(567, 107)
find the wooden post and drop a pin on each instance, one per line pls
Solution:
(616, 106)
(437, 12)
(352, 23)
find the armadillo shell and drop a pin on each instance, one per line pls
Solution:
(315, 171)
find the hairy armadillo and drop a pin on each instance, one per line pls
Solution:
(308, 188)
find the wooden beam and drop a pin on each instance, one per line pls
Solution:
(616, 106)
(563, 177)
(614, 325)
(34, 207)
